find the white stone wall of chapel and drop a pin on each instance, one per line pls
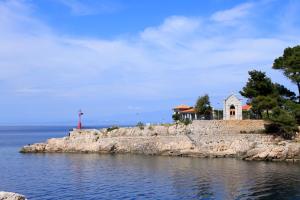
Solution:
(232, 109)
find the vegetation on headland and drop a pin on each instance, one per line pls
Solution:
(274, 102)
(203, 110)
(177, 119)
(270, 101)
(289, 64)
(203, 107)
(140, 125)
(112, 128)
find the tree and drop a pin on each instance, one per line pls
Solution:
(263, 94)
(258, 85)
(289, 63)
(273, 102)
(293, 108)
(176, 117)
(203, 106)
(283, 123)
(263, 103)
(284, 92)
(259, 90)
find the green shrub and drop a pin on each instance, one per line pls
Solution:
(176, 117)
(140, 125)
(282, 123)
(167, 124)
(187, 121)
(112, 128)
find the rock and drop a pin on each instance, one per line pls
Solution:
(278, 153)
(262, 156)
(254, 152)
(11, 196)
(283, 143)
(36, 148)
(293, 151)
(213, 138)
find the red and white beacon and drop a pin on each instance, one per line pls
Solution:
(79, 125)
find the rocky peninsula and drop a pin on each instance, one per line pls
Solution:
(243, 139)
(11, 196)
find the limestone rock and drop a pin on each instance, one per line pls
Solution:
(213, 138)
(11, 196)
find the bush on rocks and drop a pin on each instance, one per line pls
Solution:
(140, 125)
(112, 128)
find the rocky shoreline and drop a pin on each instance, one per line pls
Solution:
(11, 196)
(242, 139)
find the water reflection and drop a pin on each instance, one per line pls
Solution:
(134, 176)
(93, 176)
(234, 179)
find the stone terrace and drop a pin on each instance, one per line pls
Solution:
(211, 127)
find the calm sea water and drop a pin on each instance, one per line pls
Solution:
(93, 176)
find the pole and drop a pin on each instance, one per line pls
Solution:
(79, 125)
(218, 111)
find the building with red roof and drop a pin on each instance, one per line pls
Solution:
(186, 112)
(246, 107)
(232, 110)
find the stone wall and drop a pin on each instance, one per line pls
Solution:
(203, 127)
(210, 127)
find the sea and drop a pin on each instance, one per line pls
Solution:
(95, 176)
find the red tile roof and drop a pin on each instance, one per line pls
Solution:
(182, 107)
(192, 110)
(246, 107)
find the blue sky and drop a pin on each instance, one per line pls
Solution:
(127, 61)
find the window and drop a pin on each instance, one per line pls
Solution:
(232, 110)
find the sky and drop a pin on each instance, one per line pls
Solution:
(124, 61)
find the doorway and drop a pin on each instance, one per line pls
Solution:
(232, 112)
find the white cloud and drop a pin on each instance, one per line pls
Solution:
(174, 26)
(233, 14)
